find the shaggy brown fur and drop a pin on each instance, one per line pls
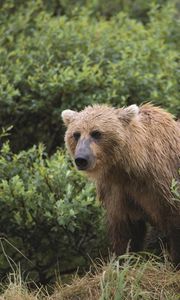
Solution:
(132, 154)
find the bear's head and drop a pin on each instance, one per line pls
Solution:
(96, 136)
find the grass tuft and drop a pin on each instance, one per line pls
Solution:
(131, 277)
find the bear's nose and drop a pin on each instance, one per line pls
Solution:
(81, 163)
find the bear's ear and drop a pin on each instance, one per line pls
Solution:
(68, 116)
(128, 113)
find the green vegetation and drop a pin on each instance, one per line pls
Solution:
(67, 54)
(176, 189)
(50, 221)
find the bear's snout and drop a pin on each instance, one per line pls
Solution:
(84, 158)
(81, 162)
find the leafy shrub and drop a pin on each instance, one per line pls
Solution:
(48, 63)
(50, 221)
(135, 8)
(175, 187)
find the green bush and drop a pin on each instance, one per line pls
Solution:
(50, 221)
(175, 187)
(50, 62)
(135, 8)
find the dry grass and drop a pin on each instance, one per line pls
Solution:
(137, 279)
(132, 279)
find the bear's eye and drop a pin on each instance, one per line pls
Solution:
(96, 134)
(76, 135)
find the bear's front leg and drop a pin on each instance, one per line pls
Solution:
(127, 235)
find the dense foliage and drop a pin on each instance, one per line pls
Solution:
(50, 221)
(176, 189)
(55, 55)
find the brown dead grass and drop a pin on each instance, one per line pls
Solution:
(138, 280)
(133, 279)
(87, 287)
(14, 292)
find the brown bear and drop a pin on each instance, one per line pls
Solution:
(132, 154)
